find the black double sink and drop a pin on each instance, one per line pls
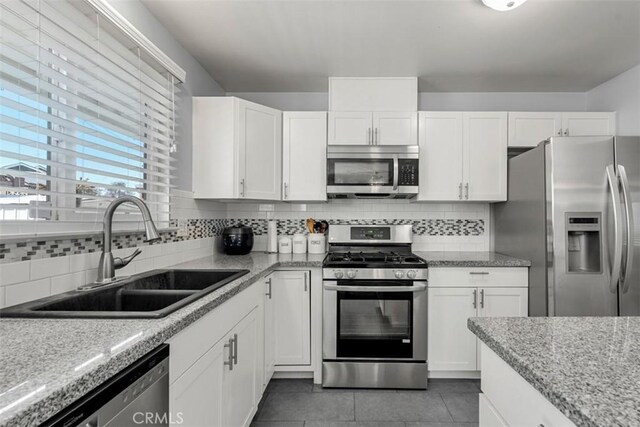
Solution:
(154, 294)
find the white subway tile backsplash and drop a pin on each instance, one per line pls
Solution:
(15, 272)
(27, 291)
(67, 282)
(48, 267)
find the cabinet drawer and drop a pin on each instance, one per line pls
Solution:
(480, 276)
(517, 402)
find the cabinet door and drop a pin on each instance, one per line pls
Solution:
(503, 302)
(304, 165)
(485, 156)
(260, 151)
(351, 128)
(440, 138)
(588, 124)
(451, 345)
(269, 331)
(291, 299)
(528, 129)
(241, 386)
(489, 416)
(197, 395)
(394, 128)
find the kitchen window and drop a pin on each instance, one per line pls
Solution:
(87, 114)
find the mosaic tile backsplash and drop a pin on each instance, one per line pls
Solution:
(203, 228)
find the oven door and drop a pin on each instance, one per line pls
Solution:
(375, 320)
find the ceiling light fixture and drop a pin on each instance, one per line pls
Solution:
(503, 5)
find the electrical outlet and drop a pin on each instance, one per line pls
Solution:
(183, 231)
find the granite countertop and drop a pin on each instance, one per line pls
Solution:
(46, 364)
(587, 367)
(471, 259)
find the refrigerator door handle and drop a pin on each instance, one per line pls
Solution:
(614, 186)
(628, 205)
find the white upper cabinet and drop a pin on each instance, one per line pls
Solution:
(527, 129)
(484, 136)
(370, 94)
(350, 128)
(395, 128)
(304, 156)
(440, 156)
(378, 128)
(588, 124)
(237, 149)
(463, 156)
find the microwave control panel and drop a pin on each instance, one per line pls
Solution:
(408, 172)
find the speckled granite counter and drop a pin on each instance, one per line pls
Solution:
(46, 364)
(588, 367)
(471, 259)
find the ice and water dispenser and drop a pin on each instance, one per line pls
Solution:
(584, 242)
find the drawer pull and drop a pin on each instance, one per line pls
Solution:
(479, 272)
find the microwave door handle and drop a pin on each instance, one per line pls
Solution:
(395, 172)
(614, 186)
(628, 205)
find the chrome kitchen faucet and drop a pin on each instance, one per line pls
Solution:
(108, 264)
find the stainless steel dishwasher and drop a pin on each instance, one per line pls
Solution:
(138, 395)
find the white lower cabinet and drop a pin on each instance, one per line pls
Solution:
(455, 295)
(216, 365)
(291, 299)
(507, 399)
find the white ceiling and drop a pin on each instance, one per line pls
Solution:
(452, 45)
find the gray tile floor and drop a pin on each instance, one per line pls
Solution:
(300, 403)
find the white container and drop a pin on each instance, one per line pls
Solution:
(299, 244)
(317, 243)
(272, 236)
(284, 245)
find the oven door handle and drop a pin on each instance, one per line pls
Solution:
(415, 288)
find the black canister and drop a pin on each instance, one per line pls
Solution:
(237, 240)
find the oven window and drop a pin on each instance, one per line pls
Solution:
(360, 172)
(374, 325)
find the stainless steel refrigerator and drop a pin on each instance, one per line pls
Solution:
(574, 211)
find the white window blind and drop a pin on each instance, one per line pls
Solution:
(86, 115)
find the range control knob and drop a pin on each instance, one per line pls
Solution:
(411, 274)
(399, 274)
(351, 274)
(338, 273)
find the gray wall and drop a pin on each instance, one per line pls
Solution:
(620, 94)
(198, 81)
(436, 101)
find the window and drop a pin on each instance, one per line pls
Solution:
(87, 114)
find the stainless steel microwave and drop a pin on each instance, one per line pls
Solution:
(372, 171)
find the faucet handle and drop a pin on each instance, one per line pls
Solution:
(122, 262)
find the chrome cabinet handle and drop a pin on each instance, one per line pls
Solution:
(285, 191)
(478, 272)
(628, 206)
(229, 361)
(235, 349)
(481, 298)
(369, 137)
(566, 132)
(460, 191)
(466, 191)
(305, 281)
(560, 132)
(242, 187)
(614, 186)
(269, 287)
(377, 141)
(475, 298)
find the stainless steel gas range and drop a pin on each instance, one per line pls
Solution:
(374, 309)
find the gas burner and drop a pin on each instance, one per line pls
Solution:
(373, 259)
